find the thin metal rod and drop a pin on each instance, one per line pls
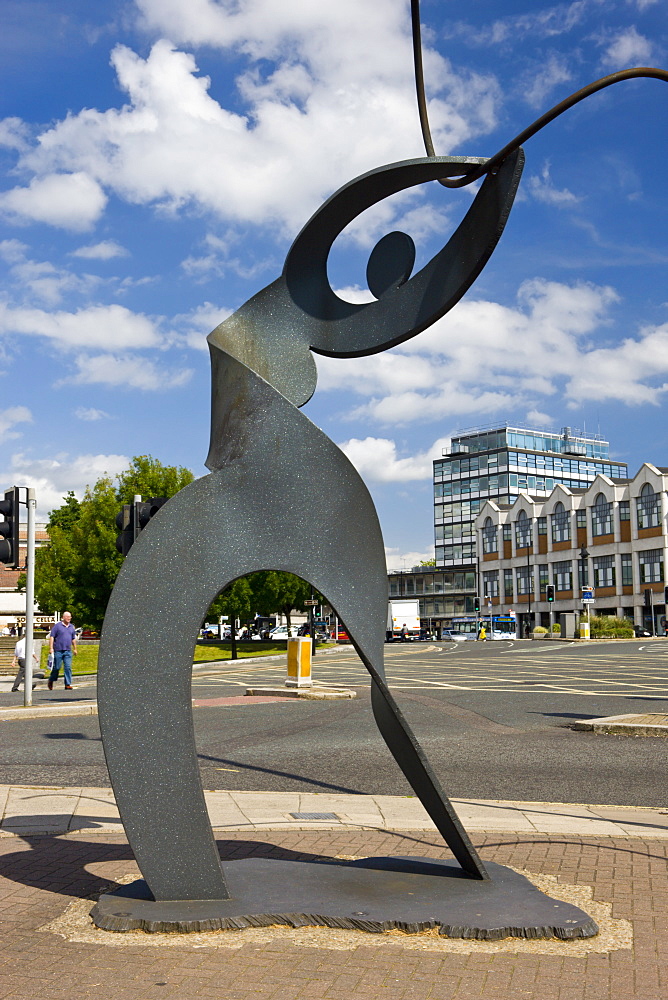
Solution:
(474, 173)
(558, 109)
(419, 78)
(30, 596)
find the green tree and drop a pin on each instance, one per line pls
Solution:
(427, 562)
(67, 515)
(236, 601)
(274, 590)
(78, 569)
(147, 477)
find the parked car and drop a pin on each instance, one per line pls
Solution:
(284, 632)
(342, 636)
(448, 633)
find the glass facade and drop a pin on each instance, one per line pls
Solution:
(496, 464)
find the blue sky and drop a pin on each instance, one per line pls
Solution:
(159, 156)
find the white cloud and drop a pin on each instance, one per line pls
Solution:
(536, 86)
(89, 413)
(398, 560)
(628, 48)
(542, 22)
(52, 478)
(13, 251)
(535, 418)
(42, 280)
(193, 328)
(14, 134)
(125, 372)
(627, 372)
(105, 250)
(69, 200)
(542, 189)
(310, 76)
(9, 418)
(376, 459)
(111, 326)
(484, 358)
(217, 260)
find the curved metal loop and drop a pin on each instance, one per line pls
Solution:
(343, 329)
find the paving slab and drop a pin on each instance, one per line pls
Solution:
(35, 810)
(39, 810)
(224, 811)
(96, 809)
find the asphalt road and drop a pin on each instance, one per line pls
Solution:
(493, 719)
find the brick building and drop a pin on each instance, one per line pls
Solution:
(612, 535)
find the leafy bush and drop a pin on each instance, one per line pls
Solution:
(556, 627)
(539, 630)
(609, 627)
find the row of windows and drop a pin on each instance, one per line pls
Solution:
(429, 583)
(479, 484)
(464, 466)
(569, 465)
(648, 515)
(451, 553)
(551, 463)
(605, 569)
(534, 441)
(453, 532)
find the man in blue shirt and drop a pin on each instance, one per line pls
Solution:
(62, 643)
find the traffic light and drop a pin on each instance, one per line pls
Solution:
(147, 508)
(9, 528)
(132, 518)
(476, 604)
(648, 598)
(665, 594)
(550, 593)
(125, 521)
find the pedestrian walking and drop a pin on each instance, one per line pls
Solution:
(62, 643)
(404, 633)
(20, 659)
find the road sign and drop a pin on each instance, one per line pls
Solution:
(588, 595)
(311, 603)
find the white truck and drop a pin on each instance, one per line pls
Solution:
(400, 612)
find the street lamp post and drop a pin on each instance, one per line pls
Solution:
(584, 579)
(529, 542)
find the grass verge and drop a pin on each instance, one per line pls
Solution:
(85, 662)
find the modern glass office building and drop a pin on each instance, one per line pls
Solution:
(497, 463)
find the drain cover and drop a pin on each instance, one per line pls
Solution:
(314, 816)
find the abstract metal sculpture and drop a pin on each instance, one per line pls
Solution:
(249, 515)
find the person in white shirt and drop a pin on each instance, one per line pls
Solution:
(20, 658)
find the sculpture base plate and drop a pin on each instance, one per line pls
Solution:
(372, 894)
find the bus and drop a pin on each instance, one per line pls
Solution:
(500, 623)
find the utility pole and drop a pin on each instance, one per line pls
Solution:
(30, 595)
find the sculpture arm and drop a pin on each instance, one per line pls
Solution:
(343, 329)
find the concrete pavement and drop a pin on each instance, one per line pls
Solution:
(34, 810)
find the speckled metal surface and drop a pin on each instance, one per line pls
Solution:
(376, 894)
(280, 496)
